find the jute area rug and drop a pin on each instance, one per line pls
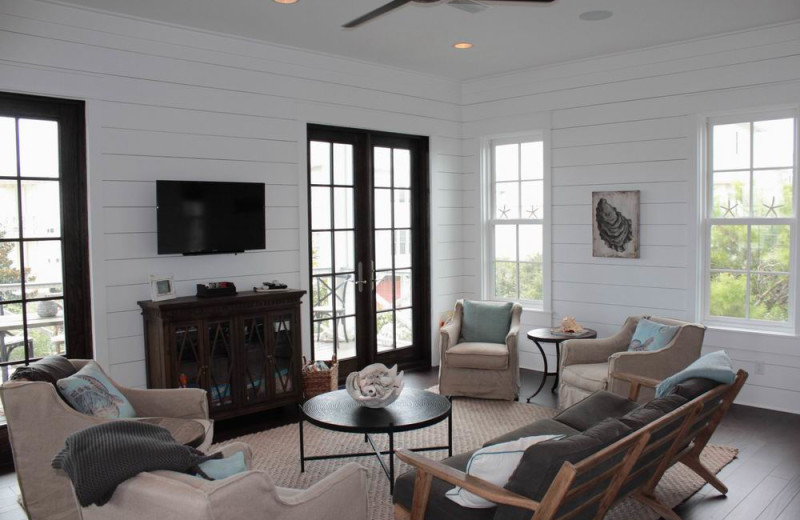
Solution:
(475, 421)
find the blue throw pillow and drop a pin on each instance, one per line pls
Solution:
(219, 469)
(650, 336)
(715, 366)
(486, 322)
(89, 391)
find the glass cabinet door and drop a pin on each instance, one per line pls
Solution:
(257, 361)
(188, 361)
(284, 343)
(220, 364)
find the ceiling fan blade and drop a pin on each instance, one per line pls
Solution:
(394, 4)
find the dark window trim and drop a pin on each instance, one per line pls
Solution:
(74, 208)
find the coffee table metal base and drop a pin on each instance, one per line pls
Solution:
(389, 471)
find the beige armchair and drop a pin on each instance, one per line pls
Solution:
(587, 363)
(485, 370)
(39, 421)
(166, 495)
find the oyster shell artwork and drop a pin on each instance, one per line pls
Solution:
(376, 386)
(615, 229)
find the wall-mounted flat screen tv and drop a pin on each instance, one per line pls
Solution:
(195, 218)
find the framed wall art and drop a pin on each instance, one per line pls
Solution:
(615, 224)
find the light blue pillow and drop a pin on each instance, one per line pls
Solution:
(650, 336)
(89, 391)
(715, 366)
(485, 322)
(219, 469)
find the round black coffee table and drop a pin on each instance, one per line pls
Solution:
(546, 335)
(414, 409)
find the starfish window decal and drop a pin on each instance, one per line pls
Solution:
(504, 212)
(771, 208)
(730, 210)
(533, 212)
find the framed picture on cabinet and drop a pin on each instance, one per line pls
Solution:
(162, 287)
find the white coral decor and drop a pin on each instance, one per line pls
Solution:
(376, 386)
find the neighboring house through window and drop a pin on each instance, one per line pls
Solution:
(750, 222)
(515, 221)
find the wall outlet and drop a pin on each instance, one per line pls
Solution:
(761, 368)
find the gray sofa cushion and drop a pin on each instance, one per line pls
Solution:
(541, 463)
(439, 506)
(598, 406)
(540, 427)
(692, 388)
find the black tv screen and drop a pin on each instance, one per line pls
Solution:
(209, 217)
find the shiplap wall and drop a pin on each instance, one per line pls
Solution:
(630, 122)
(165, 102)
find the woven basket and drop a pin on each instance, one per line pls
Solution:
(316, 383)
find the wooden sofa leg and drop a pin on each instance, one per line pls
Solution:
(694, 464)
(401, 513)
(652, 502)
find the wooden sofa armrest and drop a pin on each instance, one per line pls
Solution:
(427, 468)
(636, 383)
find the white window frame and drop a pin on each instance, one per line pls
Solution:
(747, 324)
(489, 221)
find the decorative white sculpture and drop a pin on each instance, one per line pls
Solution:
(376, 386)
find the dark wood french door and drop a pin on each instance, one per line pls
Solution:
(369, 244)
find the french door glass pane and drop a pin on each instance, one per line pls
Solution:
(320, 162)
(402, 248)
(383, 167)
(383, 249)
(343, 164)
(402, 168)
(402, 289)
(343, 208)
(41, 209)
(9, 214)
(384, 322)
(8, 147)
(773, 143)
(38, 148)
(402, 208)
(43, 268)
(321, 208)
(45, 327)
(383, 208)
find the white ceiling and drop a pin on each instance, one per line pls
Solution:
(507, 36)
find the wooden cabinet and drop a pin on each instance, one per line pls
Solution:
(244, 350)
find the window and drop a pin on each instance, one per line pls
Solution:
(44, 284)
(515, 220)
(751, 221)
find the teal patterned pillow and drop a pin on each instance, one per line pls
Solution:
(650, 336)
(89, 391)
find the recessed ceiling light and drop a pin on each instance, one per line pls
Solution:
(594, 16)
(462, 45)
(285, 1)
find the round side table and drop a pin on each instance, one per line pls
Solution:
(545, 335)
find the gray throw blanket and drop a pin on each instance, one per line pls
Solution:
(101, 457)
